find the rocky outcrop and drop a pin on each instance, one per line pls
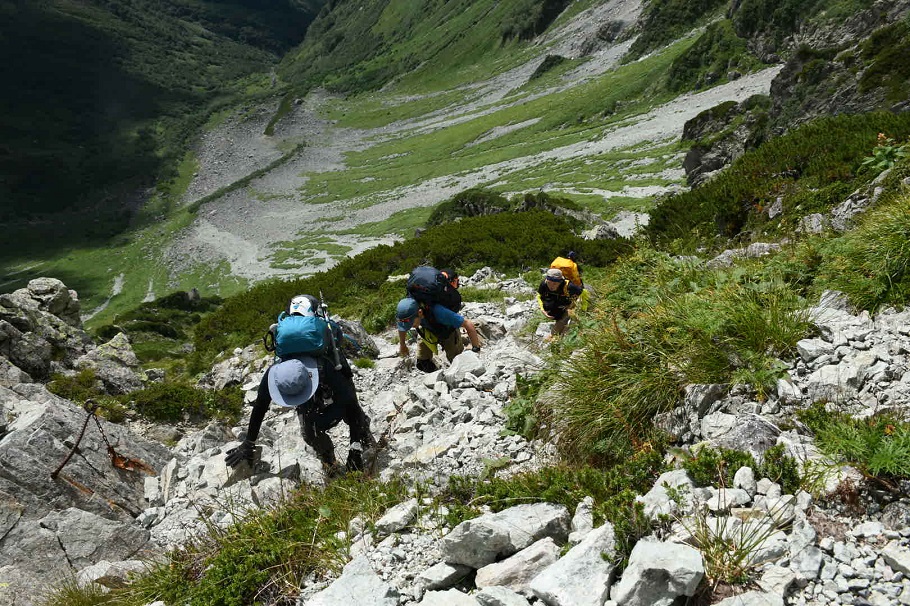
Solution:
(53, 524)
(824, 74)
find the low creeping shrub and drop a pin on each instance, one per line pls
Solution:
(716, 467)
(879, 446)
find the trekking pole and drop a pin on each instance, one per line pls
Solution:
(325, 313)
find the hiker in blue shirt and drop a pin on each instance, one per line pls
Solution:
(436, 325)
(321, 394)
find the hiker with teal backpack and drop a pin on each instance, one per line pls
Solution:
(311, 375)
(431, 309)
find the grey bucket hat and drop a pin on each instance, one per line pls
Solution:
(294, 381)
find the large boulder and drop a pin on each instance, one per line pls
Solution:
(658, 573)
(487, 538)
(357, 342)
(115, 364)
(43, 432)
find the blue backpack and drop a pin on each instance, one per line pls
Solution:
(300, 335)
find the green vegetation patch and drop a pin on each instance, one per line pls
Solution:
(879, 445)
(170, 402)
(665, 21)
(583, 113)
(362, 47)
(714, 57)
(872, 263)
(716, 467)
(308, 250)
(792, 167)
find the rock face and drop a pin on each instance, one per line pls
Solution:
(825, 74)
(54, 525)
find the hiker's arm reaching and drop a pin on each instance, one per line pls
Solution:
(540, 304)
(403, 350)
(472, 333)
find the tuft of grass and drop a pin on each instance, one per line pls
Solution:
(872, 263)
(264, 557)
(364, 363)
(70, 593)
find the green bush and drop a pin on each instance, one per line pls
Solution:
(549, 62)
(520, 412)
(160, 328)
(174, 402)
(716, 467)
(469, 203)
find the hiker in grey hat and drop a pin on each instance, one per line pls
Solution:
(305, 378)
(556, 296)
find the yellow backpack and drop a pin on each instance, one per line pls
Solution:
(569, 269)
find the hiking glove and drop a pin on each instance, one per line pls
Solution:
(244, 452)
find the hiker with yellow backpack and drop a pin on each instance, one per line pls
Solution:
(556, 296)
(568, 265)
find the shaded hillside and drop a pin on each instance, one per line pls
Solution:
(362, 46)
(103, 95)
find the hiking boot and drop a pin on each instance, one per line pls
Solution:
(426, 366)
(332, 470)
(355, 458)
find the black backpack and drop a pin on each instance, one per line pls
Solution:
(428, 285)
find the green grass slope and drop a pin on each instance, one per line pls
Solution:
(364, 45)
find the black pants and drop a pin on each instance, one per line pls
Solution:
(316, 420)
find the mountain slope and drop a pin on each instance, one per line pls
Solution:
(103, 95)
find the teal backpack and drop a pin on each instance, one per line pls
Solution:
(300, 335)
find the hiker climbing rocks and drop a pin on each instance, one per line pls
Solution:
(313, 376)
(431, 309)
(568, 265)
(556, 295)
